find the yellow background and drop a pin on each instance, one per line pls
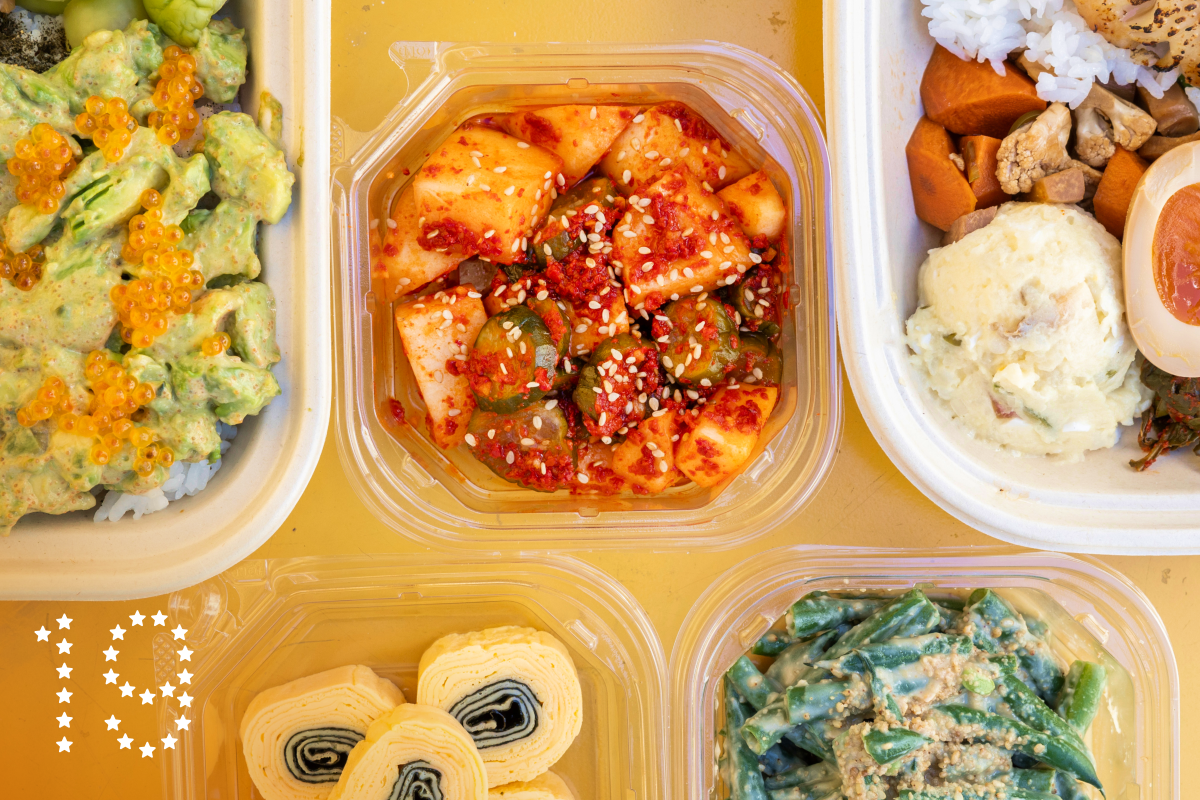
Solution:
(865, 501)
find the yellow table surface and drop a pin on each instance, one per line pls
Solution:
(864, 502)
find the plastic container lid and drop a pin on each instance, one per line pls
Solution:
(265, 623)
(449, 499)
(875, 54)
(1093, 612)
(270, 463)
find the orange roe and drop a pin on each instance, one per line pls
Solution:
(169, 284)
(51, 397)
(40, 163)
(216, 344)
(23, 270)
(108, 124)
(175, 97)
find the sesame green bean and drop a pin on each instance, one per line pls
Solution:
(998, 628)
(825, 700)
(887, 746)
(754, 687)
(911, 614)
(795, 663)
(805, 776)
(818, 612)
(745, 779)
(772, 643)
(1034, 780)
(894, 653)
(1015, 735)
(1082, 690)
(1028, 707)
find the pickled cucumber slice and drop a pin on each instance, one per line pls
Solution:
(513, 361)
(696, 339)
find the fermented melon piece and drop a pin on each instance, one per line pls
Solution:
(578, 135)
(484, 192)
(669, 136)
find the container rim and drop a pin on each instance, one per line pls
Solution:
(446, 521)
(267, 587)
(732, 605)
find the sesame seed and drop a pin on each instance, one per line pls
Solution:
(474, 295)
(721, 173)
(511, 457)
(582, 478)
(700, 326)
(470, 180)
(523, 145)
(454, 412)
(651, 154)
(581, 328)
(550, 405)
(475, 161)
(592, 304)
(625, 176)
(630, 235)
(405, 281)
(431, 234)
(678, 370)
(639, 118)
(499, 170)
(531, 385)
(438, 375)
(485, 187)
(715, 215)
(471, 440)
(593, 113)
(504, 369)
(489, 234)
(706, 254)
(561, 180)
(644, 251)
(646, 218)
(510, 190)
(527, 442)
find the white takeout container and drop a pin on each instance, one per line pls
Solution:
(70, 557)
(875, 54)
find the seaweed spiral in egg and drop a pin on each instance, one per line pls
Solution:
(514, 690)
(297, 737)
(414, 752)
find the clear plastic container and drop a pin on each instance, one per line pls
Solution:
(875, 54)
(1094, 613)
(270, 463)
(264, 623)
(450, 499)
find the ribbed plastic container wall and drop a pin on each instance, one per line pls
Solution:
(264, 473)
(265, 623)
(875, 54)
(1093, 612)
(450, 499)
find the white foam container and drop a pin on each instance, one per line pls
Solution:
(875, 54)
(262, 476)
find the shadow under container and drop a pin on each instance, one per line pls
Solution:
(1093, 613)
(447, 498)
(265, 623)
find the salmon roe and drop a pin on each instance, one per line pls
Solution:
(51, 398)
(169, 283)
(40, 163)
(216, 344)
(175, 96)
(117, 399)
(108, 124)
(23, 270)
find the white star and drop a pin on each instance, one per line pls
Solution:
(64, 744)
(126, 690)
(117, 633)
(110, 654)
(179, 632)
(64, 647)
(185, 654)
(110, 676)
(169, 742)
(125, 741)
(147, 697)
(167, 690)
(185, 700)
(64, 721)
(113, 723)
(42, 634)
(64, 696)
(137, 617)
(147, 750)
(159, 619)
(64, 671)
(182, 724)
(184, 677)
(64, 622)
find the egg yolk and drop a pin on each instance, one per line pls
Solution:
(1176, 254)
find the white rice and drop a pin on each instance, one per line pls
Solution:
(185, 480)
(1052, 33)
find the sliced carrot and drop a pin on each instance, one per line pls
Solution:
(979, 155)
(1115, 191)
(941, 193)
(967, 97)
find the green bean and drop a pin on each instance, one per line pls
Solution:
(823, 791)
(795, 663)
(999, 628)
(777, 761)
(818, 612)
(804, 775)
(754, 687)
(882, 697)
(977, 763)
(1010, 733)
(911, 614)
(1034, 780)
(745, 780)
(977, 681)
(955, 604)
(895, 653)
(1068, 788)
(1028, 707)
(812, 739)
(895, 743)
(1081, 694)
(766, 728)
(825, 700)
(772, 643)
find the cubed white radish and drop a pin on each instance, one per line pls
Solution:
(756, 205)
(404, 264)
(646, 459)
(579, 135)
(723, 437)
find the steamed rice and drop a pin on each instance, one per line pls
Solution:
(185, 480)
(1052, 33)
